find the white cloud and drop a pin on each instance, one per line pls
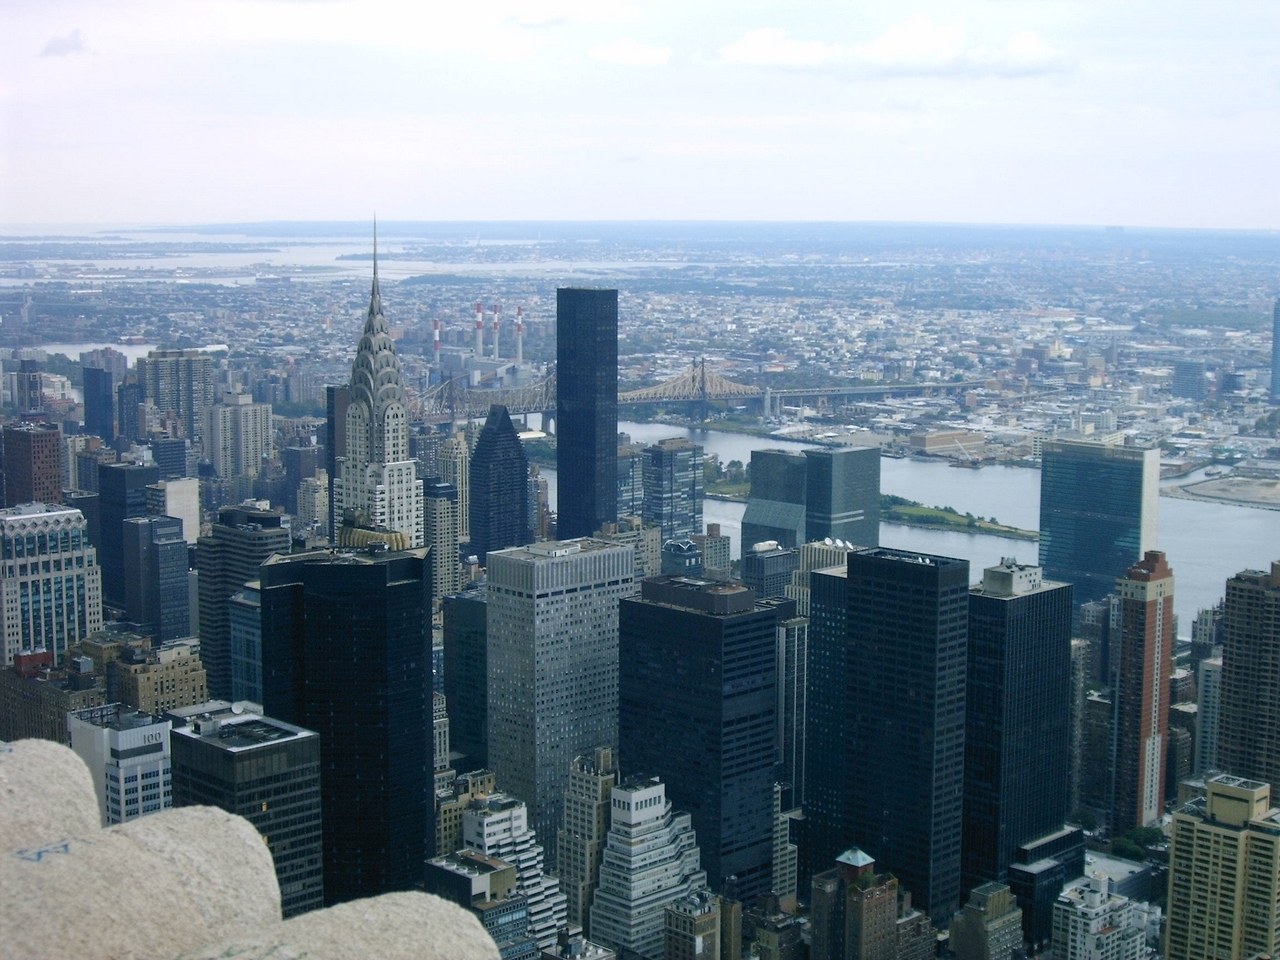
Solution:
(920, 47)
(632, 54)
(64, 46)
(773, 48)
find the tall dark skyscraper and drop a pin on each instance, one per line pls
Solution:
(1249, 722)
(122, 493)
(336, 401)
(228, 559)
(99, 403)
(1016, 717)
(466, 669)
(828, 717)
(802, 497)
(904, 763)
(1098, 506)
(128, 397)
(698, 706)
(156, 591)
(586, 410)
(673, 487)
(499, 487)
(346, 651)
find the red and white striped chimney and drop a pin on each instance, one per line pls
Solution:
(435, 342)
(519, 334)
(495, 331)
(479, 330)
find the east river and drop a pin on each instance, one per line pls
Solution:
(1206, 542)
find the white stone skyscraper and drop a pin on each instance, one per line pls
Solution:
(378, 477)
(552, 627)
(498, 826)
(651, 858)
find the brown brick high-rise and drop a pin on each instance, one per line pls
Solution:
(1249, 718)
(32, 464)
(1141, 692)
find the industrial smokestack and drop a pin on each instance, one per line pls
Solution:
(495, 331)
(479, 331)
(519, 334)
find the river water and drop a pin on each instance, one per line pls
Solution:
(1206, 542)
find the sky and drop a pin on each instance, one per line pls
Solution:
(1138, 113)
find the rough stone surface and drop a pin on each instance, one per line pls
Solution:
(394, 926)
(174, 882)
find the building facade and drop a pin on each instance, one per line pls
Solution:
(1249, 717)
(466, 672)
(650, 860)
(127, 752)
(1141, 693)
(99, 403)
(1091, 922)
(268, 772)
(1098, 506)
(50, 581)
(156, 595)
(32, 463)
(1017, 741)
(580, 842)
(552, 637)
(346, 646)
(672, 481)
(378, 477)
(698, 707)
(238, 435)
(499, 487)
(586, 410)
(177, 382)
(122, 493)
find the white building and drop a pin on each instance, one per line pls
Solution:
(1209, 695)
(651, 858)
(128, 754)
(378, 478)
(49, 579)
(313, 503)
(498, 826)
(553, 663)
(1092, 923)
(237, 435)
(455, 468)
(177, 498)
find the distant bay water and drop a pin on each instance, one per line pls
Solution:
(1206, 542)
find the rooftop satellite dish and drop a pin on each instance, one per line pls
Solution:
(827, 541)
(237, 708)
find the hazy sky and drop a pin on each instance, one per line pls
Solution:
(1117, 112)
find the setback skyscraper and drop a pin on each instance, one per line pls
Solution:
(346, 644)
(586, 410)
(156, 592)
(905, 690)
(698, 707)
(378, 480)
(553, 664)
(1098, 506)
(1016, 730)
(499, 487)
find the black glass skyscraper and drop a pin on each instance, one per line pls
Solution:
(157, 594)
(129, 397)
(586, 410)
(499, 512)
(466, 674)
(122, 493)
(346, 651)
(1016, 728)
(336, 401)
(908, 637)
(99, 404)
(697, 706)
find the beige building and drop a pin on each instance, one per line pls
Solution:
(1224, 874)
(163, 679)
(580, 840)
(468, 787)
(646, 539)
(35, 696)
(455, 468)
(989, 927)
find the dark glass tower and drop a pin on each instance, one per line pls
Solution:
(1098, 507)
(673, 488)
(128, 398)
(336, 401)
(776, 505)
(346, 651)
(697, 706)
(156, 591)
(842, 495)
(122, 493)
(908, 638)
(466, 674)
(228, 559)
(499, 511)
(99, 404)
(586, 410)
(1017, 734)
(233, 761)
